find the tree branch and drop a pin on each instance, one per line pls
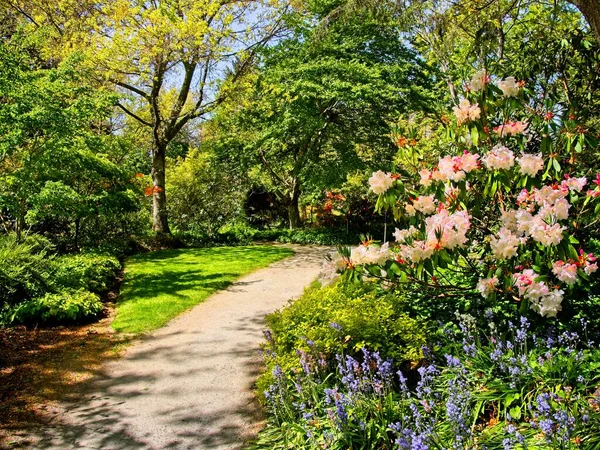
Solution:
(135, 116)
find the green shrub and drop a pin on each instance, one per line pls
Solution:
(344, 319)
(308, 236)
(66, 306)
(92, 272)
(24, 268)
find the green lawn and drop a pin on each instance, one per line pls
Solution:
(158, 286)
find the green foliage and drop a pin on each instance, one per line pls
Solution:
(366, 318)
(316, 236)
(92, 272)
(25, 268)
(66, 306)
(202, 195)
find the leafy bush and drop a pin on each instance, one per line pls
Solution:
(92, 272)
(336, 319)
(24, 268)
(68, 306)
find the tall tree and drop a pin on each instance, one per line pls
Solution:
(167, 58)
(321, 99)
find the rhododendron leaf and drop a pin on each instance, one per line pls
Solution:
(579, 145)
(475, 136)
(395, 268)
(573, 253)
(573, 240)
(583, 275)
(556, 165)
(429, 267)
(597, 209)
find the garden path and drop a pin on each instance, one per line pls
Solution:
(189, 384)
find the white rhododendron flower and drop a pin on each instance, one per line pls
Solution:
(548, 305)
(466, 112)
(402, 235)
(530, 164)
(509, 87)
(509, 219)
(487, 286)
(332, 267)
(370, 254)
(425, 204)
(567, 273)
(417, 251)
(380, 182)
(479, 80)
(504, 246)
(499, 157)
(561, 209)
(455, 168)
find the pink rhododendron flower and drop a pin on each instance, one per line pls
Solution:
(445, 230)
(511, 128)
(574, 184)
(567, 273)
(469, 162)
(465, 112)
(530, 164)
(545, 302)
(590, 268)
(549, 195)
(487, 286)
(380, 182)
(499, 157)
(509, 87)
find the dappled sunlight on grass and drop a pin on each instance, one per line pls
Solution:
(160, 285)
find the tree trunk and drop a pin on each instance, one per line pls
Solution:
(591, 11)
(159, 197)
(293, 212)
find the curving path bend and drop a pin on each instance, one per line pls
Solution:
(189, 384)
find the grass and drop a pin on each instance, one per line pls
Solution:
(159, 286)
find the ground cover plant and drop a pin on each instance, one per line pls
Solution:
(160, 285)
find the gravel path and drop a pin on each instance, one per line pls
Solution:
(189, 384)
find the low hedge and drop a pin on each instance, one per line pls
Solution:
(66, 306)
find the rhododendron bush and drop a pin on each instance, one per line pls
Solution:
(510, 209)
